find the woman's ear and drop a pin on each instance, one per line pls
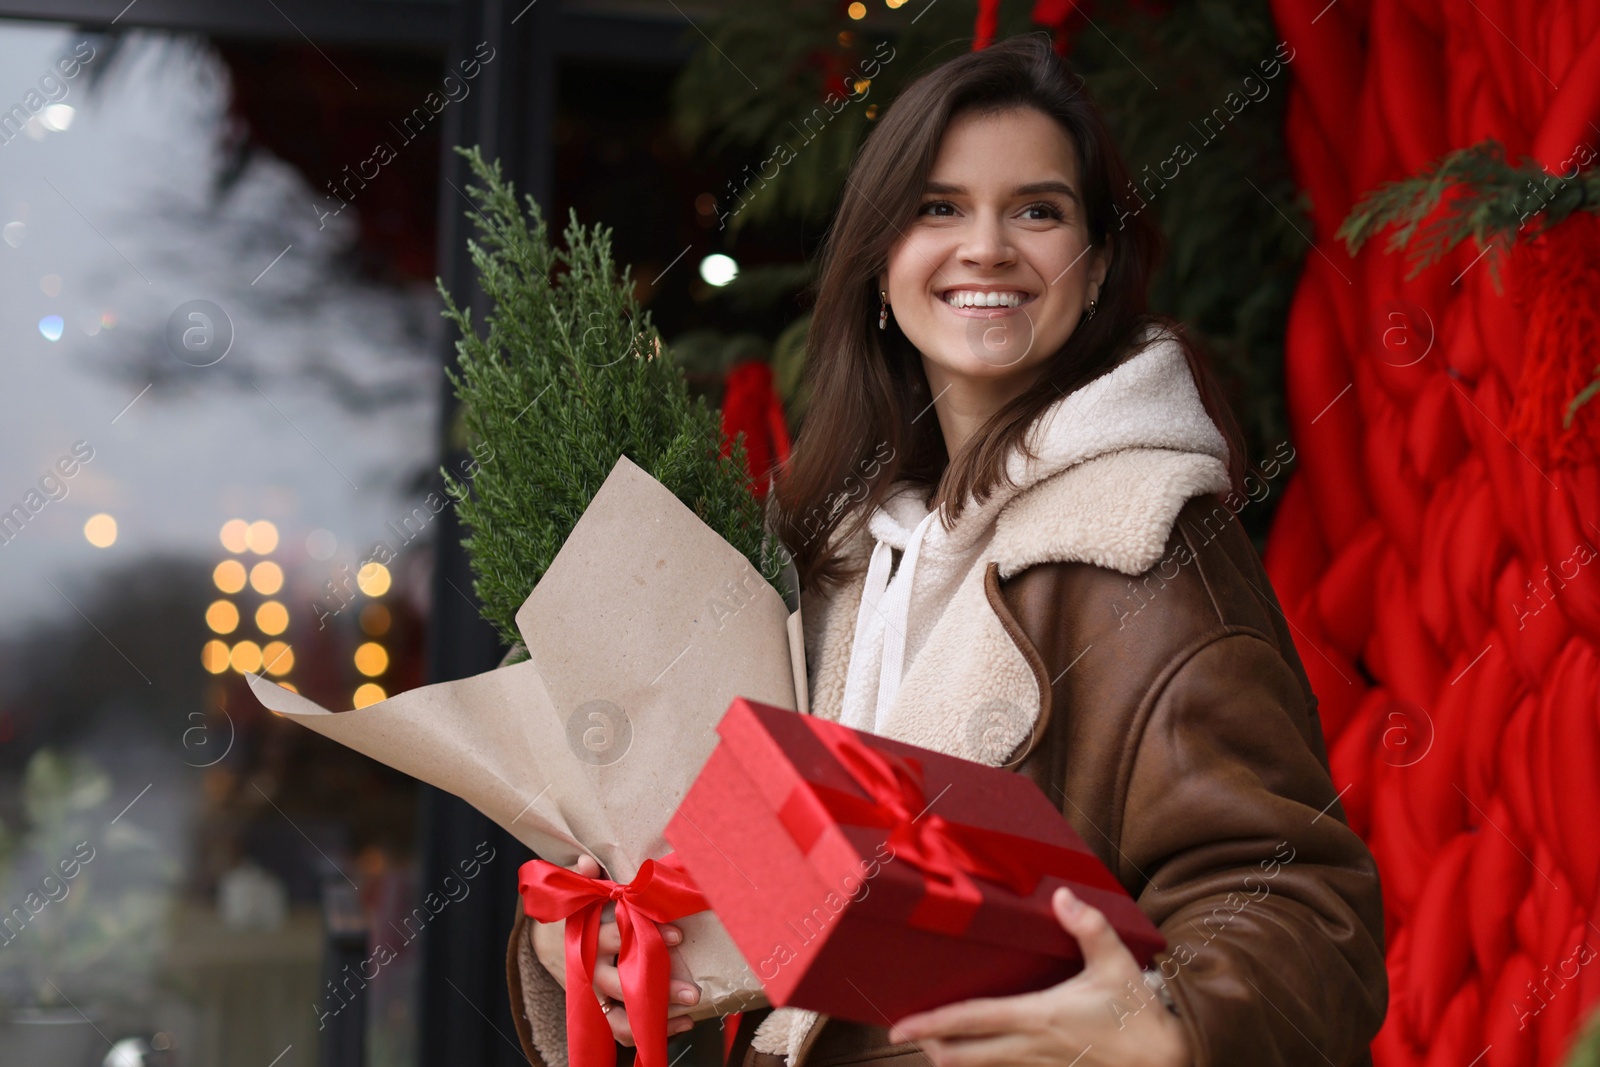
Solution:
(1100, 267)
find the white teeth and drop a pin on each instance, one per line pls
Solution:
(972, 298)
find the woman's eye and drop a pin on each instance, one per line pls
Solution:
(930, 206)
(1050, 211)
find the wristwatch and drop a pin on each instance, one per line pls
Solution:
(1157, 982)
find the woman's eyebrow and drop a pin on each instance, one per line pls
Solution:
(1029, 189)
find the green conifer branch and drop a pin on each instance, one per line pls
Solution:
(1489, 200)
(564, 374)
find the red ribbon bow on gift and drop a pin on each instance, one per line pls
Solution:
(948, 853)
(661, 892)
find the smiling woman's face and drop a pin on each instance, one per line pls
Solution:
(996, 269)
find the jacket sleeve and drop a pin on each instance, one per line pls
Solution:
(1270, 903)
(538, 1001)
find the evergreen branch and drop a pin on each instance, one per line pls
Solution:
(1483, 196)
(564, 374)
(1586, 394)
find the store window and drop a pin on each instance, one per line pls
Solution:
(219, 392)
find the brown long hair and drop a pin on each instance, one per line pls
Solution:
(862, 429)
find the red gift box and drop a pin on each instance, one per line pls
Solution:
(868, 879)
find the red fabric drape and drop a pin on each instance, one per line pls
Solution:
(751, 406)
(1438, 550)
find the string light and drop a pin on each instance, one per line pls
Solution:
(234, 533)
(229, 576)
(277, 658)
(261, 537)
(246, 657)
(214, 656)
(272, 618)
(372, 659)
(373, 579)
(222, 617)
(266, 577)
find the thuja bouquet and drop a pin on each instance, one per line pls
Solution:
(613, 540)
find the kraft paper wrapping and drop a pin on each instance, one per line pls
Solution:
(644, 628)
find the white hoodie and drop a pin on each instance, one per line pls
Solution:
(1149, 400)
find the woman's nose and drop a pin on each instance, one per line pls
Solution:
(986, 243)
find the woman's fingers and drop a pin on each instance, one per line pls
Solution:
(622, 1029)
(683, 995)
(964, 1019)
(1096, 936)
(611, 939)
(587, 866)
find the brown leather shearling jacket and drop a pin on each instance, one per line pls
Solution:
(1179, 736)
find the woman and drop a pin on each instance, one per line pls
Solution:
(1014, 517)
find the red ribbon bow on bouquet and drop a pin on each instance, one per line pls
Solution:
(948, 853)
(661, 892)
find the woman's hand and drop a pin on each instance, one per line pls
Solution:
(1090, 1020)
(549, 944)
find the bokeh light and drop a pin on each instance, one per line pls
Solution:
(375, 620)
(57, 117)
(718, 269)
(266, 577)
(277, 658)
(369, 694)
(214, 656)
(261, 537)
(229, 576)
(373, 579)
(222, 617)
(321, 544)
(372, 659)
(246, 657)
(233, 535)
(51, 327)
(101, 530)
(272, 618)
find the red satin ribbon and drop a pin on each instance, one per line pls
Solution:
(947, 853)
(661, 892)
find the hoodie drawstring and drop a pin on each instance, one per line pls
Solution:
(891, 600)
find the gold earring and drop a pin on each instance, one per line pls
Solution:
(1093, 307)
(883, 310)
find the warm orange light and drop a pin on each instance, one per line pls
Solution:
(857, 10)
(272, 618)
(369, 694)
(101, 530)
(234, 533)
(222, 617)
(214, 656)
(229, 576)
(277, 658)
(261, 537)
(246, 657)
(373, 579)
(266, 577)
(372, 659)
(290, 686)
(375, 620)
